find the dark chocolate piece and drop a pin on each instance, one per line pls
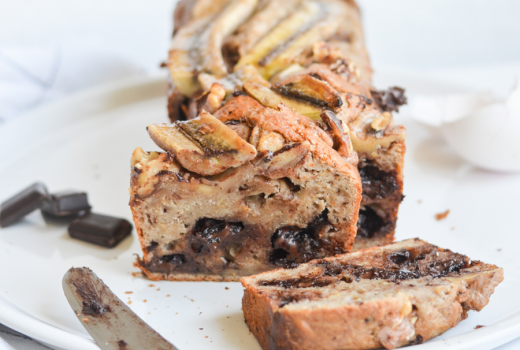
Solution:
(106, 231)
(291, 244)
(22, 204)
(67, 203)
(369, 223)
(390, 100)
(378, 184)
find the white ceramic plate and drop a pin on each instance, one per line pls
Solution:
(85, 142)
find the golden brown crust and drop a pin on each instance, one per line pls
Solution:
(188, 277)
(238, 108)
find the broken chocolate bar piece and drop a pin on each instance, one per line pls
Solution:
(66, 203)
(23, 203)
(103, 230)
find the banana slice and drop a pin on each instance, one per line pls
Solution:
(183, 67)
(210, 42)
(216, 137)
(283, 32)
(260, 24)
(308, 88)
(287, 72)
(231, 82)
(203, 145)
(197, 47)
(280, 163)
(370, 144)
(320, 31)
(269, 98)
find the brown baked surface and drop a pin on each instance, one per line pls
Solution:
(390, 296)
(242, 194)
(309, 55)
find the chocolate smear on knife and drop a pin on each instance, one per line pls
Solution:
(108, 320)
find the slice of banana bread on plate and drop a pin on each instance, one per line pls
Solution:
(390, 296)
(256, 189)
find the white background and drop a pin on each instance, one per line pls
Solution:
(449, 38)
(420, 34)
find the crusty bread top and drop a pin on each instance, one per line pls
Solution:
(308, 55)
(199, 148)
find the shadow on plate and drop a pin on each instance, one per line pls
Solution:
(69, 247)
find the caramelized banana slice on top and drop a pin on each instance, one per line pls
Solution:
(272, 99)
(197, 47)
(203, 145)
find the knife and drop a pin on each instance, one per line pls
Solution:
(108, 320)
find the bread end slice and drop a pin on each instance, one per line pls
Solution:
(389, 296)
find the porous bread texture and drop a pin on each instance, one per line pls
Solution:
(336, 303)
(296, 180)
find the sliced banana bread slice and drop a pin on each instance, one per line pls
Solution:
(242, 194)
(389, 296)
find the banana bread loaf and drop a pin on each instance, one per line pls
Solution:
(308, 55)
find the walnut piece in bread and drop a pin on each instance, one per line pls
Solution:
(389, 296)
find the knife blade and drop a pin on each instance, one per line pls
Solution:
(108, 320)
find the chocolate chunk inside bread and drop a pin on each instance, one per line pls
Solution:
(308, 55)
(254, 189)
(390, 296)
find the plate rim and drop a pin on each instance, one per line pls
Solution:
(43, 332)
